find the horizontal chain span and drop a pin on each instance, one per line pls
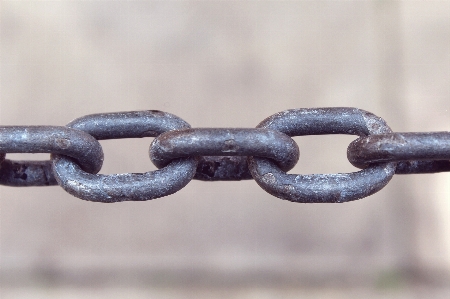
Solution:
(86, 151)
(264, 153)
(414, 152)
(224, 143)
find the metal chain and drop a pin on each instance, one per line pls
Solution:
(181, 154)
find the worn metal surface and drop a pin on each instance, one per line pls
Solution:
(264, 153)
(123, 187)
(222, 168)
(27, 173)
(129, 124)
(129, 186)
(416, 152)
(317, 188)
(86, 151)
(205, 142)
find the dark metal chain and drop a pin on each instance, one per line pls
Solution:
(181, 153)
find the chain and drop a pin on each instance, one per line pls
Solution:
(182, 153)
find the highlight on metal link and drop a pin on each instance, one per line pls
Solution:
(182, 153)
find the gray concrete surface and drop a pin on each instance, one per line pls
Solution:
(225, 64)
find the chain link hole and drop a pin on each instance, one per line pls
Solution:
(323, 154)
(28, 157)
(126, 156)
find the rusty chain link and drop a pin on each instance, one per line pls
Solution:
(181, 154)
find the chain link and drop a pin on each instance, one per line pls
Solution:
(224, 143)
(84, 148)
(130, 186)
(415, 152)
(322, 187)
(264, 154)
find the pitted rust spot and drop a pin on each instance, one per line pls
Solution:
(288, 189)
(62, 143)
(375, 124)
(208, 168)
(269, 178)
(230, 146)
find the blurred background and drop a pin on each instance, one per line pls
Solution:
(226, 64)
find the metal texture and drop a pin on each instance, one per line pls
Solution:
(415, 152)
(86, 151)
(317, 188)
(27, 173)
(205, 142)
(222, 168)
(212, 154)
(128, 186)
(130, 124)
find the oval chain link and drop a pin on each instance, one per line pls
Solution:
(210, 154)
(127, 186)
(82, 147)
(319, 188)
